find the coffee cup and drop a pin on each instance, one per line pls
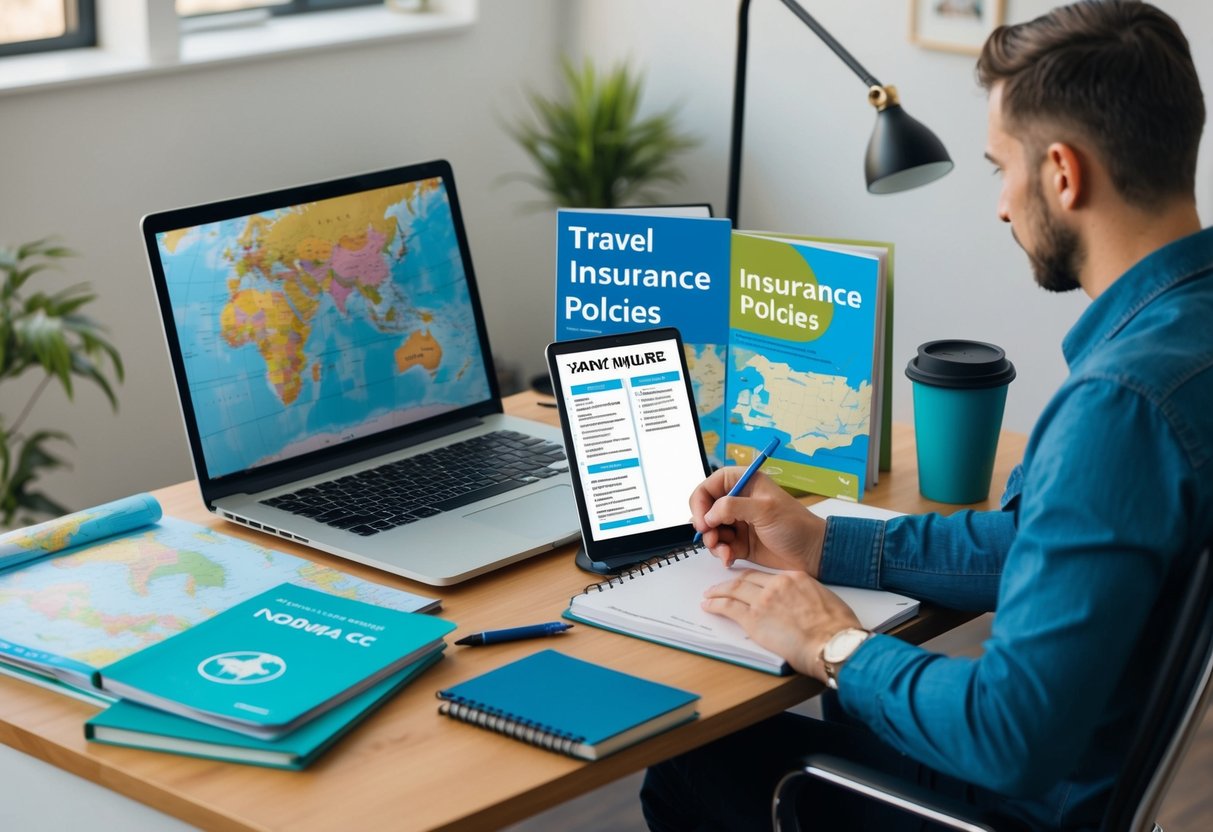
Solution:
(960, 391)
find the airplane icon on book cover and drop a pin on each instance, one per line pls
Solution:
(242, 667)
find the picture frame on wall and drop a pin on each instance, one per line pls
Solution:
(954, 25)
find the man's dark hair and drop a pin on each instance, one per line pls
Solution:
(1119, 74)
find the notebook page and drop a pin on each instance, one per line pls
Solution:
(665, 603)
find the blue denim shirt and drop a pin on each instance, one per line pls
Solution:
(1116, 482)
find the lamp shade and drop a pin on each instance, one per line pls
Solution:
(903, 153)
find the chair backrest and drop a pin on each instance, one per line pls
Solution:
(1177, 697)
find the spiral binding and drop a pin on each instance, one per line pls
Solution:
(495, 719)
(650, 565)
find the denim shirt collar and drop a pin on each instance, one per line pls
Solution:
(1154, 274)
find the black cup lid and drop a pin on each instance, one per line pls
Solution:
(962, 364)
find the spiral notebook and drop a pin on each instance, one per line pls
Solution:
(568, 705)
(659, 601)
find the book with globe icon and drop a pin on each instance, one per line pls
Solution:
(136, 726)
(85, 590)
(268, 665)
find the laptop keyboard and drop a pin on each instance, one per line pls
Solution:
(441, 480)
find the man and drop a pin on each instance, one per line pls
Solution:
(1095, 116)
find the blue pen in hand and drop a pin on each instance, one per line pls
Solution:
(514, 633)
(745, 478)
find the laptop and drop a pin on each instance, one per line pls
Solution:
(336, 382)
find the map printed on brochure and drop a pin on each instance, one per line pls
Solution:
(804, 358)
(73, 613)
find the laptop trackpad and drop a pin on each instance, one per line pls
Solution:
(531, 516)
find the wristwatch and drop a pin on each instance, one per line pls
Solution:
(841, 646)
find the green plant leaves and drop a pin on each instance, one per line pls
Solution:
(21, 462)
(47, 333)
(591, 148)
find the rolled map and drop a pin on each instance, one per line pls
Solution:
(23, 545)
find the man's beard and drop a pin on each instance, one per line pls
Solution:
(1059, 253)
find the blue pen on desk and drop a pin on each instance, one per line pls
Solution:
(745, 477)
(515, 633)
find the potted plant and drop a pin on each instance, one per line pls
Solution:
(590, 145)
(44, 334)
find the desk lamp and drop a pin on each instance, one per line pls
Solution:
(902, 153)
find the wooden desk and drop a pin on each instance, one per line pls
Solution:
(408, 768)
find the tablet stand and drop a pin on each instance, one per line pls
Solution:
(615, 565)
(596, 567)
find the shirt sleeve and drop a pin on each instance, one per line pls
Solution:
(1101, 514)
(954, 561)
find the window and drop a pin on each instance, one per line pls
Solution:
(196, 8)
(41, 25)
(138, 37)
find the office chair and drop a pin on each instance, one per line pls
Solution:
(1174, 706)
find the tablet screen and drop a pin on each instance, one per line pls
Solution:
(632, 435)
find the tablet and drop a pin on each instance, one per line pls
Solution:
(631, 434)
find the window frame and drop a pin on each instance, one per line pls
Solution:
(310, 6)
(281, 8)
(82, 37)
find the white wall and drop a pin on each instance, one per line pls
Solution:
(86, 162)
(958, 272)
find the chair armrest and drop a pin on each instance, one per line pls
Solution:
(876, 785)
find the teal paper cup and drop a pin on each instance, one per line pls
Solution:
(960, 390)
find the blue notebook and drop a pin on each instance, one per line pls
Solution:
(125, 723)
(568, 705)
(269, 664)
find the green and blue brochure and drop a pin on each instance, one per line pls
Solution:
(805, 354)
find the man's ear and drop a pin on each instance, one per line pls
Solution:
(1065, 176)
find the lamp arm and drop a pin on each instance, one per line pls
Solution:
(835, 47)
(743, 36)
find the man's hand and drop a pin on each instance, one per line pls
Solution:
(790, 614)
(766, 525)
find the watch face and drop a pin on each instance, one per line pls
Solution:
(842, 645)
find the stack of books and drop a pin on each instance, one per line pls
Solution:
(200, 643)
(274, 680)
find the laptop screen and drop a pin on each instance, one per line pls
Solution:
(307, 325)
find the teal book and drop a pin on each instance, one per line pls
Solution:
(806, 357)
(136, 578)
(619, 271)
(135, 726)
(271, 663)
(568, 705)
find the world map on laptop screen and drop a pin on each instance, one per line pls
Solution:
(313, 324)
